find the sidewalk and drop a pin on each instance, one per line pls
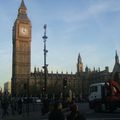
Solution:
(25, 116)
(32, 116)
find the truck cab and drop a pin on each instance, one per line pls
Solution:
(104, 96)
(95, 93)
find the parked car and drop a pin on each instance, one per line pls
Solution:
(38, 100)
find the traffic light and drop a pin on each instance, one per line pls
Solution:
(43, 89)
(65, 82)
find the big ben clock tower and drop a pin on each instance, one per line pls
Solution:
(21, 61)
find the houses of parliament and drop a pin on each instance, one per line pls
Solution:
(22, 77)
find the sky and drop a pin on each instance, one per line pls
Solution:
(88, 27)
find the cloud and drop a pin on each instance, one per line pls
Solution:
(93, 10)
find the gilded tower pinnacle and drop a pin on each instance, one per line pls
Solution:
(23, 5)
(22, 12)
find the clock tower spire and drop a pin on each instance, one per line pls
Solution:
(22, 6)
(79, 64)
(21, 58)
(22, 12)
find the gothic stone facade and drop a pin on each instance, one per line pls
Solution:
(77, 83)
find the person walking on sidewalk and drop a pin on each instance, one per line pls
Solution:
(45, 106)
(13, 105)
(4, 106)
(20, 105)
(75, 114)
(56, 113)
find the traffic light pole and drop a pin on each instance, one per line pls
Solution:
(45, 65)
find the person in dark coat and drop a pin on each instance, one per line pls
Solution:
(4, 106)
(75, 114)
(13, 105)
(45, 106)
(19, 106)
(56, 113)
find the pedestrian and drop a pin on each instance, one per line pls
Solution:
(19, 105)
(75, 114)
(13, 105)
(4, 106)
(56, 113)
(45, 106)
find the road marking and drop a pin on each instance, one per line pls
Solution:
(103, 119)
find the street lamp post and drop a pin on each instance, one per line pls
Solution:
(45, 53)
(28, 95)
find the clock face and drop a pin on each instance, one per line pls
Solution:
(23, 30)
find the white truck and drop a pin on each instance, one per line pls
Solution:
(104, 96)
